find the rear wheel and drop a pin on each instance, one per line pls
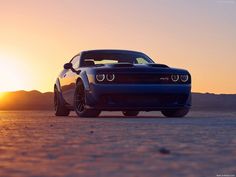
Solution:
(130, 113)
(175, 112)
(79, 103)
(60, 108)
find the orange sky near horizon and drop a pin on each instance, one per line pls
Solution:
(38, 37)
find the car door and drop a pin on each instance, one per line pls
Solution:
(68, 81)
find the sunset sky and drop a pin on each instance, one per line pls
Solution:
(38, 36)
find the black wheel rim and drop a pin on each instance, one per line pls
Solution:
(80, 100)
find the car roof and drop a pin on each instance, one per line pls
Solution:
(111, 51)
(108, 51)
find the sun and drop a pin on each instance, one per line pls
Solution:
(2, 94)
(12, 73)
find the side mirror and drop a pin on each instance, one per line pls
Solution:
(68, 66)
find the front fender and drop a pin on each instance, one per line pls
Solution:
(84, 78)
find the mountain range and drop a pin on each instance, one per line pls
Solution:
(35, 100)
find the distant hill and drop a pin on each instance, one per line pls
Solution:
(23, 100)
(208, 102)
(35, 100)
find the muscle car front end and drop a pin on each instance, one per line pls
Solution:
(127, 81)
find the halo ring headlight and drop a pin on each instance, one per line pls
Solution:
(184, 78)
(110, 77)
(100, 77)
(175, 77)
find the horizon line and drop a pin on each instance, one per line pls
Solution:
(196, 92)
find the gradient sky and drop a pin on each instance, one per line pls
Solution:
(38, 37)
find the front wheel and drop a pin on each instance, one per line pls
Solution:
(130, 113)
(79, 103)
(175, 112)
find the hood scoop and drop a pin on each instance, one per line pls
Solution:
(121, 65)
(158, 65)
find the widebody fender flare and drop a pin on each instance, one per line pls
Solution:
(58, 85)
(84, 78)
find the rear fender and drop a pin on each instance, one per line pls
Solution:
(58, 85)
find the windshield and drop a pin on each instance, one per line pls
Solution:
(97, 58)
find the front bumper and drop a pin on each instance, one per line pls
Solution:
(141, 97)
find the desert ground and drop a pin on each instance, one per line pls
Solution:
(37, 144)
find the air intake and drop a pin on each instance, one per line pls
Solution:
(121, 65)
(158, 65)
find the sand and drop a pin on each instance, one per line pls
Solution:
(38, 144)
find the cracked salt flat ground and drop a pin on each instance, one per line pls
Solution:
(36, 143)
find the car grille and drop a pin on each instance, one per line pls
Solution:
(143, 79)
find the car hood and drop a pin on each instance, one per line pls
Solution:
(139, 68)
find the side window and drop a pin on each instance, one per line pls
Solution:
(141, 61)
(76, 62)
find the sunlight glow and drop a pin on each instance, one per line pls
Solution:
(39, 37)
(2, 94)
(12, 72)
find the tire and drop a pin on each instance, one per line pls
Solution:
(175, 112)
(60, 108)
(130, 113)
(80, 102)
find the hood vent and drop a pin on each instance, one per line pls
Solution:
(121, 65)
(158, 65)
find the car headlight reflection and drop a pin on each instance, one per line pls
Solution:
(175, 77)
(110, 77)
(105, 77)
(184, 78)
(100, 77)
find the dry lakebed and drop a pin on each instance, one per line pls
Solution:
(37, 144)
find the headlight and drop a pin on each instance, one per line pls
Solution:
(110, 77)
(184, 78)
(175, 77)
(100, 77)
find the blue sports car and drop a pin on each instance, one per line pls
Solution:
(120, 80)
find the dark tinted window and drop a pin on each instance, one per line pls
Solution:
(114, 57)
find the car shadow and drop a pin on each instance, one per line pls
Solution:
(131, 117)
(121, 117)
